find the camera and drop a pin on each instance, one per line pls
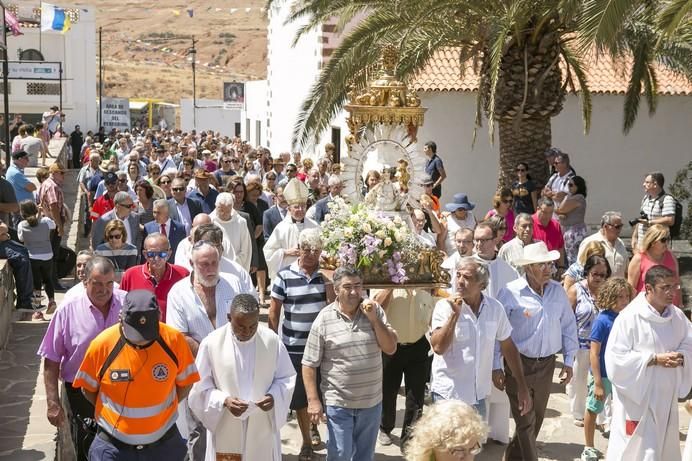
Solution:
(635, 221)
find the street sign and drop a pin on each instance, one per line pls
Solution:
(115, 113)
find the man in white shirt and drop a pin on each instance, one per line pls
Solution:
(513, 250)
(647, 358)
(235, 230)
(464, 331)
(609, 236)
(557, 187)
(463, 239)
(196, 306)
(247, 380)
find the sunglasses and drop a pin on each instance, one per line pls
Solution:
(156, 254)
(508, 201)
(616, 226)
(115, 236)
(227, 161)
(178, 189)
(126, 205)
(164, 182)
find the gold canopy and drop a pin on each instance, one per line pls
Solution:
(384, 100)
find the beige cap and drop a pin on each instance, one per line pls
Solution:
(296, 192)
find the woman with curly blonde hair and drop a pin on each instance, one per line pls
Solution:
(449, 430)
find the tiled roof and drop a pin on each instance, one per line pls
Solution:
(443, 73)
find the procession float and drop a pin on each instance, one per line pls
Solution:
(371, 229)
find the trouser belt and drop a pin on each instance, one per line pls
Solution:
(537, 359)
(119, 444)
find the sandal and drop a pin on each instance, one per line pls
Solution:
(51, 307)
(315, 438)
(305, 453)
(37, 317)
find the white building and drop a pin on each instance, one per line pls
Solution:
(210, 115)
(612, 164)
(76, 50)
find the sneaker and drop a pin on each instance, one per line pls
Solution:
(589, 454)
(384, 439)
(578, 422)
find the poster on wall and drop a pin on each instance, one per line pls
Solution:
(115, 113)
(233, 95)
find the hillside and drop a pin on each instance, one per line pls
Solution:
(145, 47)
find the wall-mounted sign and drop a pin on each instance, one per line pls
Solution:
(115, 113)
(33, 70)
(233, 95)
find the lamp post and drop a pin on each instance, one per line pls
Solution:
(193, 53)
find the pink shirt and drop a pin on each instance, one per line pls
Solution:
(550, 234)
(647, 263)
(509, 222)
(75, 324)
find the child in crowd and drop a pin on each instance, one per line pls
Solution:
(615, 294)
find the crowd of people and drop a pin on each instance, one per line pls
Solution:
(161, 351)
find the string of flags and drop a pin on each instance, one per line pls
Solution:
(54, 18)
(191, 12)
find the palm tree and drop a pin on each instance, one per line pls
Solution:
(519, 48)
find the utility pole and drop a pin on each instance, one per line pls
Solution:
(193, 53)
(100, 76)
(6, 94)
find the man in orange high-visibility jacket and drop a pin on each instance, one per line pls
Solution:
(135, 372)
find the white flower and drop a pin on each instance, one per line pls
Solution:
(366, 228)
(348, 232)
(327, 217)
(380, 234)
(387, 242)
(397, 236)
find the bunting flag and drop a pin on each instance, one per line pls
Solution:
(12, 23)
(54, 18)
(233, 10)
(176, 12)
(247, 10)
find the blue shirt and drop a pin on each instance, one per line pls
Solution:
(541, 325)
(208, 202)
(600, 332)
(16, 177)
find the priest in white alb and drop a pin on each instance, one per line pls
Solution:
(649, 362)
(246, 385)
(281, 249)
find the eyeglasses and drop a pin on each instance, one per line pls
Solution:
(115, 236)
(156, 254)
(463, 452)
(226, 161)
(508, 201)
(483, 240)
(122, 180)
(126, 205)
(667, 288)
(178, 189)
(521, 169)
(616, 226)
(164, 182)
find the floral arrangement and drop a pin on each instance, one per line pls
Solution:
(369, 240)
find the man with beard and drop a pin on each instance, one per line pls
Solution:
(197, 305)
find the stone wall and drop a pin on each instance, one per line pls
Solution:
(6, 302)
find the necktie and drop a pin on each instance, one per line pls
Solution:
(163, 229)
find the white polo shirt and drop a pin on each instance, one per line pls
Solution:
(464, 371)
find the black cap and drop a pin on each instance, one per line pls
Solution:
(19, 154)
(140, 316)
(110, 178)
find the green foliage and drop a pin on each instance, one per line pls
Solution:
(680, 189)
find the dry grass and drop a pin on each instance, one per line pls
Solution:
(145, 47)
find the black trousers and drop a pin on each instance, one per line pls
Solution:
(408, 361)
(55, 240)
(81, 409)
(42, 272)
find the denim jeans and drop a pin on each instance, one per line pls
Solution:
(352, 433)
(18, 258)
(481, 406)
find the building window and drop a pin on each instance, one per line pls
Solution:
(42, 89)
(30, 55)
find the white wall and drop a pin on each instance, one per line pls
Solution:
(290, 74)
(210, 116)
(76, 49)
(612, 164)
(255, 113)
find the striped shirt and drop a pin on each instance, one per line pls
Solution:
(349, 358)
(655, 207)
(303, 297)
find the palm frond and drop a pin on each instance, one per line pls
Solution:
(638, 73)
(673, 14)
(602, 20)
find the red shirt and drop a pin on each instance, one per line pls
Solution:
(101, 206)
(550, 234)
(139, 278)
